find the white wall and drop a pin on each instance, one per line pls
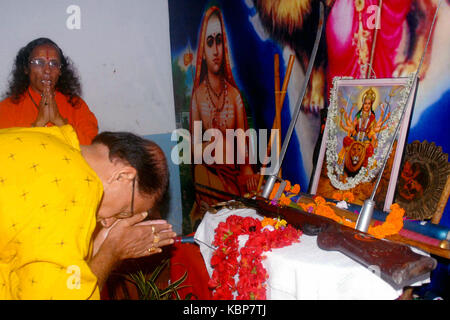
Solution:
(121, 51)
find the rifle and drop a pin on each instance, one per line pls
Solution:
(395, 263)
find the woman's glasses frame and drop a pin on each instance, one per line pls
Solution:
(41, 63)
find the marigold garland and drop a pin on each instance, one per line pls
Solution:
(285, 198)
(252, 274)
(392, 225)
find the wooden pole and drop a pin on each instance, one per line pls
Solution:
(279, 101)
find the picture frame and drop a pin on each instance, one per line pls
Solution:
(361, 122)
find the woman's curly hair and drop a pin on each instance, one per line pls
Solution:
(68, 81)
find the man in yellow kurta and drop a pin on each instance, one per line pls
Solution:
(50, 193)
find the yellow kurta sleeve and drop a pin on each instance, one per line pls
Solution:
(48, 202)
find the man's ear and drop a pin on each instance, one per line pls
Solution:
(126, 174)
(122, 173)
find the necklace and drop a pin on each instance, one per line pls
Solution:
(34, 102)
(216, 109)
(210, 87)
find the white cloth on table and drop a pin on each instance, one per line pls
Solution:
(303, 271)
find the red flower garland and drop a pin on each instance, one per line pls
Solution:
(252, 274)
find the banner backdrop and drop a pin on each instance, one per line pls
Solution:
(388, 35)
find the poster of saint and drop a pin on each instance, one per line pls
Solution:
(223, 77)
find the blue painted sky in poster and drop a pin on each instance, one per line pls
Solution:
(433, 126)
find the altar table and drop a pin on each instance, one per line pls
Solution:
(303, 271)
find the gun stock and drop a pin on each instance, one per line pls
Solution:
(395, 263)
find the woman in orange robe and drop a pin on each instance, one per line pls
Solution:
(45, 91)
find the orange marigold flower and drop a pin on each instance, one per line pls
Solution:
(392, 225)
(267, 222)
(396, 210)
(285, 201)
(288, 186)
(348, 196)
(296, 189)
(337, 195)
(303, 206)
(326, 211)
(378, 232)
(319, 200)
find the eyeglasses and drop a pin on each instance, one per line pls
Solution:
(41, 63)
(210, 40)
(124, 215)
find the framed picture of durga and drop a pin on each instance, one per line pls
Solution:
(361, 122)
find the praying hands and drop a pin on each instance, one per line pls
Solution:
(48, 110)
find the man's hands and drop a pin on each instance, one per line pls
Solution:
(126, 239)
(131, 238)
(48, 110)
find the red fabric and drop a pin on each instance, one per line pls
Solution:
(369, 153)
(347, 141)
(186, 257)
(343, 23)
(24, 113)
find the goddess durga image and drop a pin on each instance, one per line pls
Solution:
(361, 140)
(361, 143)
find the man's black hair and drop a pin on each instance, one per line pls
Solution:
(144, 155)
